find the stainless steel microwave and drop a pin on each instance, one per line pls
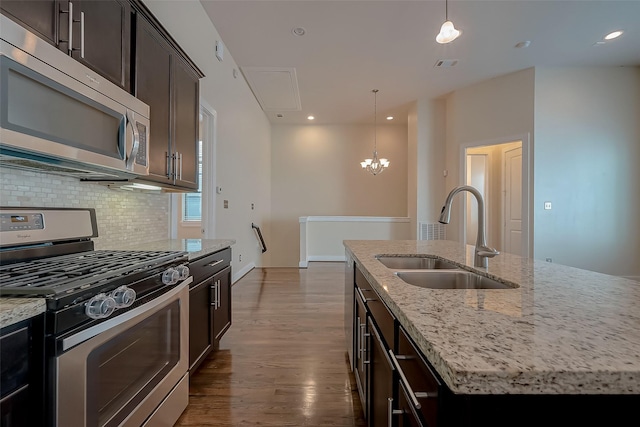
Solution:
(58, 116)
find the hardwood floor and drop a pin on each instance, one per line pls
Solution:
(283, 361)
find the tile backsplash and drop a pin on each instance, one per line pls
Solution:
(123, 217)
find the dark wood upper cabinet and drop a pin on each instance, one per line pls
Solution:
(38, 16)
(107, 38)
(153, 87)
(169, 83)
(101, 31)
(186, 119)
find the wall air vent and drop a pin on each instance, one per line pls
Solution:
(432, 231)
(446, 63)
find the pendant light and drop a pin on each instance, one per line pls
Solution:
(375, 165)
(448, 32)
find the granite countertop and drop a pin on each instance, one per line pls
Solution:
(195, 247)
(563, 331)
(14, 310)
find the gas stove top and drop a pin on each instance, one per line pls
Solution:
(57, 276)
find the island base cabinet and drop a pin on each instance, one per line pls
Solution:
(380, 382)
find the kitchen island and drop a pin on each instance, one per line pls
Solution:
(562, 331)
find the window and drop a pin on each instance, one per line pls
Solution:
(192, 202)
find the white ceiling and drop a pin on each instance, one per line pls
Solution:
(352, 47)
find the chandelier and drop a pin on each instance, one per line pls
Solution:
(375, 165)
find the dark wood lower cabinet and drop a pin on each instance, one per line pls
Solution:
(380, 381)
(21, 373)
(209, 305)
(221, 304)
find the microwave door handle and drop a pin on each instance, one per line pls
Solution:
(136, 141)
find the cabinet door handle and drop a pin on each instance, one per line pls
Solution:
(214, 288)
(382, 346)
(82, 35)
(70, 12)
(213, 264)
(180, 166)
(218, 298)
(391, 412)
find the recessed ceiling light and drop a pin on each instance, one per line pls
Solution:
(390, 118)
(523, 44)
(310, 117)
(299, 31)
(613, 35)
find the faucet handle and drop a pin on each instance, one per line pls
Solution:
(487, 252)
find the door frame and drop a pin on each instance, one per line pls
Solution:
(209, 172)
(209, 144)
(527, 186)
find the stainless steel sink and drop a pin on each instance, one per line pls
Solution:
(459, 279)
(415, 263)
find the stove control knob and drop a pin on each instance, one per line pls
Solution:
(100, 306)
(124, 296)
(170, 276)
(183, 270)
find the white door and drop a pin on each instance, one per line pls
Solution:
(478, 177)
(513, 201)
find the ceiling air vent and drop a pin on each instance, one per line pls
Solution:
(446, 63)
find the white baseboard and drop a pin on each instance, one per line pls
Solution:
(303, 264)
(240, 274)
(325, 258)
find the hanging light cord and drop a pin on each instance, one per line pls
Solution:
(375, 113)
(446, 10)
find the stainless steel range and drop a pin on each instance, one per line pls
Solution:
(116, 324)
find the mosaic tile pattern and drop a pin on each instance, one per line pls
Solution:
(563, 331)
(124, 217)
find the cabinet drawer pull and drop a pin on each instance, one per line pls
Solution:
(362, 296)
(214, 263)
(412, 395)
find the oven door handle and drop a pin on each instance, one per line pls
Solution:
(91, 332)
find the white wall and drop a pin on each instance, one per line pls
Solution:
(243, 167)
(425, 162)
(321, 237)
(316, 172)
(587, 157)
(491, 111)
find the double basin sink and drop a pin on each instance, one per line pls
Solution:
(435, 273)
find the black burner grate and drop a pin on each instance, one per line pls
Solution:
(66, 274)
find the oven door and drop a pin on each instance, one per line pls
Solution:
(122, 371)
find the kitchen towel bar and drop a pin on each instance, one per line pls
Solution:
(259, 235)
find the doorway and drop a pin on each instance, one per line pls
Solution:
(499, 170)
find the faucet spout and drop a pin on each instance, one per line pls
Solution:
(482, 251)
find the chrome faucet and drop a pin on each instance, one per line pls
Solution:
(482, 252)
